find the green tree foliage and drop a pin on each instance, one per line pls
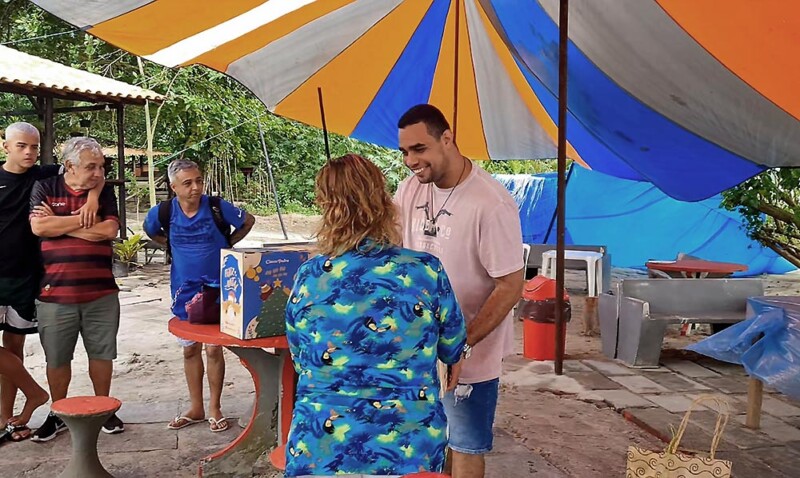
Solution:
(209, 117)
(770, 205)
(520, 166)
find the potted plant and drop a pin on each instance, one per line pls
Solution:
(125, 253)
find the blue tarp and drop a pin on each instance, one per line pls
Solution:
(535, 195)
(774, 358)
(637, 222)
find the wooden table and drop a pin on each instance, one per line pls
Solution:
(274, 378)
(696, 268)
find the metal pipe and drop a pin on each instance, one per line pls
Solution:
(48, 141)
(455, 69)
(324, 124)
(563, 39)
(553, 219)
(272, 180)
(123, 220)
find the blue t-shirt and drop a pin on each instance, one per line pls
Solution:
(195, 242)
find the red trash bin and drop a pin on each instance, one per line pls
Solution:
(538, 313)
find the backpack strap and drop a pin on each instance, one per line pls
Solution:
(215, 203)
(164, 219)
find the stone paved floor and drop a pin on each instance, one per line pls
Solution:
(657, 399)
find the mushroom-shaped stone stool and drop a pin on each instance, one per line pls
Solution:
(84, 417)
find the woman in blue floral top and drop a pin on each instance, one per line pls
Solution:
(366, 322)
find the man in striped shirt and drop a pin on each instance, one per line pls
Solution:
(78, 292)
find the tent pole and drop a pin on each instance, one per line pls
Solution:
(123, 217)
(563, 38)
(272, 179)
(455, 69)
(553, 219)
(324, 124)
(48, 141)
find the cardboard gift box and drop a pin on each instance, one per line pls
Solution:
(255, 286)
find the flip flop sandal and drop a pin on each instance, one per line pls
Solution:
(182, 422)
(16, 429)
(217, 426)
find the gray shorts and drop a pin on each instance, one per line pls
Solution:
(96, 321)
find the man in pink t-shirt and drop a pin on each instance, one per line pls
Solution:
(460, 214)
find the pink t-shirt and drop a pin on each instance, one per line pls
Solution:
(479, 238)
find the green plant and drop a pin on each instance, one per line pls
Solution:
(770, 206)
(126, 250)
(520, 166)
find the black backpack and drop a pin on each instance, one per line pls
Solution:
(214, 202)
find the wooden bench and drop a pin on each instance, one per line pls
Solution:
(84, 417)
(635, 316)
(151, 249)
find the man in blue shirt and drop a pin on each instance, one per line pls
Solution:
(195, 241)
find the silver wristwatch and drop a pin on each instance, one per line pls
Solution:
(466, 351)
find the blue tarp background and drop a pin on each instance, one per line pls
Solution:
(637, 222)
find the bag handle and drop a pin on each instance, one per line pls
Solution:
(723, 413)
(186, 284)
(175, 297)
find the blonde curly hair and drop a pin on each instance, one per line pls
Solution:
(351, 191)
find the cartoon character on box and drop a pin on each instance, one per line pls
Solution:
(231, 290)
(273, 300)
(252, 327)
(270, 274)
(255, 300)
(273, 303)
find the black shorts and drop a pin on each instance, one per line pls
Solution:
(18, 304)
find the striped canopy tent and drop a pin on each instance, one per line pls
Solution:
(693, 96)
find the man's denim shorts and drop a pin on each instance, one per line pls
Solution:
(470, 417)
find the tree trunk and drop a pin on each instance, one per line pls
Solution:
(781, 251)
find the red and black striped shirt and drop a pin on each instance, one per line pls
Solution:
(76, 271)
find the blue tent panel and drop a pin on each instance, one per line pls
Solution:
(614, 131)
(409, 82)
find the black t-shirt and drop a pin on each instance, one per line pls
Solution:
(19, 248)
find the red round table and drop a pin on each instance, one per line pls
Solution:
(274, 378)
(697, 268)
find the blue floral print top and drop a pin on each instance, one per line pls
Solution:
(365, 330)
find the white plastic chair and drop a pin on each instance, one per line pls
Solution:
(594, 267)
